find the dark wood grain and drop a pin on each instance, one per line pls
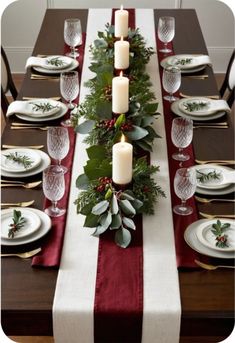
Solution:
(27, 293)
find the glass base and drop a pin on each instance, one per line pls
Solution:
(165, 50)
(170, 98)
(180, 157)
(54, 212)
(183, 210)
(71, 105)
(67, 123)
(72, 54)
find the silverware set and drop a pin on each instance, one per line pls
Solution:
(44, 77)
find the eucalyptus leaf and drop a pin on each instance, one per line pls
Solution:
(105, 220)
(128, 223)
(99, 230)
(137, 204)
(123, 238)
(144, 145)
(82, 182)
(137, 133)
(100, 43)
(91, 220)
(114, 205)
(127, 208)
(116, 222)
(146, 121)
(85, 127)
(100, 208)
(125, 195)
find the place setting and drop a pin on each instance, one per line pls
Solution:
(23, 162)
(188, 63)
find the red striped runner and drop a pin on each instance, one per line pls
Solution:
(118, 307)
(185, 255)
(53, 243)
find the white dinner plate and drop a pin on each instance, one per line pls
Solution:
(45, 162)
(63, 109)
(207, 238)
(73, 66)
(31, 225)
(42, 231)
(192, 240)
(65, 60)
(15, 167)
(164, 63)
(175, 108)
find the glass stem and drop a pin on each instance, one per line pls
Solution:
(54, 208)
(183, 204)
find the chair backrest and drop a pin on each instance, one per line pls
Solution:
(229, 81)
(7, 83)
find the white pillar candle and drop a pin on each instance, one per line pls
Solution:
(121, 54)
(121, 23)
(122, 163)
(120, 94)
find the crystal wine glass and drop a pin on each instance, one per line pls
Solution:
(69, 88)
(166, 31)
(73, 35)
(53, 188)
(58, 145)
(185, 187)
(171, 81)
(181, 136)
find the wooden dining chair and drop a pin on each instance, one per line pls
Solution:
(7, 83)
(228, 84)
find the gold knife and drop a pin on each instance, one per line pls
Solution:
(6, 146)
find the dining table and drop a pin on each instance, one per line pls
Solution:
(27, 293)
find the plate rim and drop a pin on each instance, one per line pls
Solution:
(73, 66)
(63, 110)
(34, 151)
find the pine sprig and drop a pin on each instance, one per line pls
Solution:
(184, 61)
(205, 177)
(18, 223)
(20, 159)
(218, 229)
(43, 107)
(56, 61)
(195, 106)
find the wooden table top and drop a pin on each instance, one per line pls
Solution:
(27, 293)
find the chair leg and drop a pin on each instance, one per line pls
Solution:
(4, 102)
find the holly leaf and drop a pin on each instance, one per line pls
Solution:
(91, 220)
(123, 238)
(96, 152)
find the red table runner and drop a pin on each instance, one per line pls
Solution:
(118, 308)
(52, 246)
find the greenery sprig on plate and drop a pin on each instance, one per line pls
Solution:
(205, 177)
(107, 207)
(218, 229)
(184, 61)
(94, 115)
(195, 106)
(43, 107)
(18, 223)
(56, 61)
(20, 159)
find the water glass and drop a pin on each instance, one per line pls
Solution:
(181, 136)
(171, 81)
(58, 145)
(166, 31)
(69, 88)
(185, 187)
(53, 189)
(73, 35)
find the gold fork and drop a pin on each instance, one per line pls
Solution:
(197, 96)
(25, 185)
(210, 266)
(211, 126)
(34, 97)
(24, 254)
(17, 204)
(42, 128)
(6, 146)
(199, 77)
(212, 216)
(223, 162)
(205, 201)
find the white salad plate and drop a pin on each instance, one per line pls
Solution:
(207, 238)
(43, 229)
(31, 225)
(176, 109)
(62, 109)
(172, 60)
(15, 167)
(65, 60)
(45, 162)
(74, 64)
(192, 240)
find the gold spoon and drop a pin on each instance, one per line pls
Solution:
(6, 146)
(210, 266)
(205, 201)
(212, 216)
(215, 161)
(17, 204)
(24, 254)
(26, 185)
(199, 96)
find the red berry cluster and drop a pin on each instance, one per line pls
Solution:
(103, 182)
(222, 239)
(146, 189)
(108, 124)
(127, 126)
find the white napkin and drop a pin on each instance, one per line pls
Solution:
(195, 62)
(26, 107)
(42, 62)
(213, 106)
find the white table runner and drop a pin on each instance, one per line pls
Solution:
(75, 288)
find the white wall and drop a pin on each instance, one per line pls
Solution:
(22, 19)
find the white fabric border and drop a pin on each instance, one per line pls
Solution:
(162, 309)
(75, 289)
